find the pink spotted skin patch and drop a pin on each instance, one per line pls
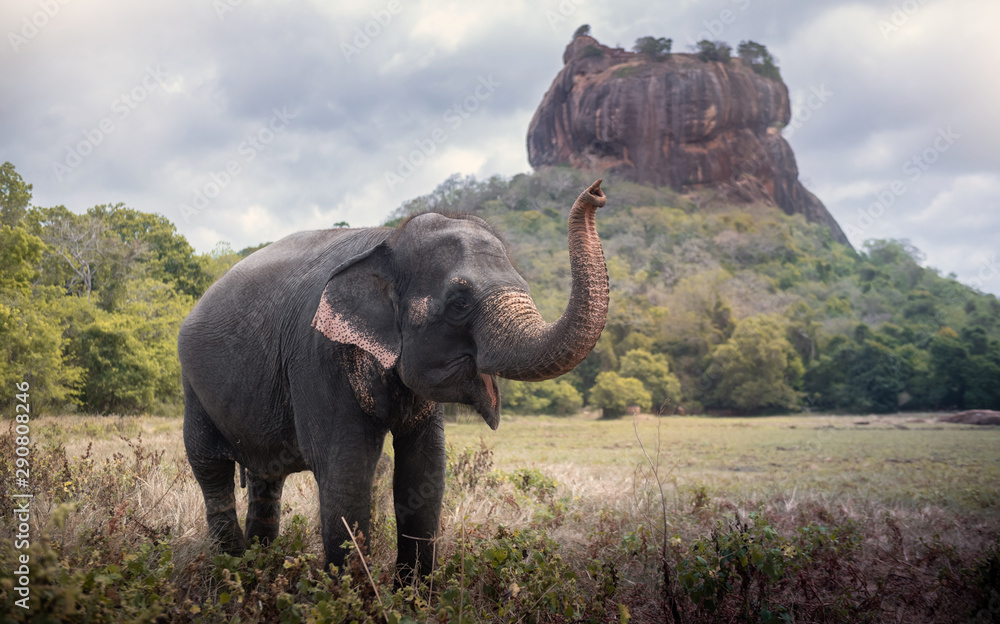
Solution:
(338, 329)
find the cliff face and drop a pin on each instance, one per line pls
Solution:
(678, 122)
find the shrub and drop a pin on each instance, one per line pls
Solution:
(553, 396)
(657, 49)
(714, 51)
(759, 59)
(613, 393)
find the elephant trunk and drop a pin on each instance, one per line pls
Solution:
(515, 341)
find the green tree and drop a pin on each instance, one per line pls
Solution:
(714, 51)
(32, 349)
(759, 59)
(216, 262)
(876, 376)
(15, 196)
(162, 253)
(757, 368)
(657, 49)
(20, 255)
(653, 371)
(582, 31)
(121, 372)
(553, 396)
(613, 393)
(950, 361)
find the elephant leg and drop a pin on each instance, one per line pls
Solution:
(264, 509)
(214, 468)
(418, 487)
(345, 491)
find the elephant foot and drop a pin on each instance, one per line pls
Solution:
(223, 528)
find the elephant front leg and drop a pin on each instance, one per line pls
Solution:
(345, 492)
(418, 487)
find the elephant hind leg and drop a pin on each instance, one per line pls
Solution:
(216, 481)
(264, 509)
(214, 468)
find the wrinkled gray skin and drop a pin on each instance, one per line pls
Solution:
(307, 352)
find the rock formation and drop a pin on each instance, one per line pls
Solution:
(677, 122)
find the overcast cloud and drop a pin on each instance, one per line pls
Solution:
(294, 115)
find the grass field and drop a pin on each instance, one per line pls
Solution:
(793, 518)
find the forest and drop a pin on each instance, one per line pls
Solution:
(716, 305)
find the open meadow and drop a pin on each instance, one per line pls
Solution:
(778, 519)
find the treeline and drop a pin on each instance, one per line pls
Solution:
(90, 304)
(735, 307)
(714, 305)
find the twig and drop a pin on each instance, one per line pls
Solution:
(671, 601)
(367, 571)
(461, 590)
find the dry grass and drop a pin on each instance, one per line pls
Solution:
(919, 497)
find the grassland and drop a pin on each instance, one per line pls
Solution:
(793, 518)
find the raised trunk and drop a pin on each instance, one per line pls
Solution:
(515, 341)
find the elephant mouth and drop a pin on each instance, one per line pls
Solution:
(487, 401)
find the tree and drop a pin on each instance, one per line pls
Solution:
(582, 31)
(216, 262)
(152, 240)
(653, 371)
(950, 361)
(20, 254)
(81, 244)
(32, 350)
(759, 59)
(15, 196)
(657, 49)
(553, 396)
(757, 368)
(714, 51)
(613, 393)
(875, 378)
(121, 371)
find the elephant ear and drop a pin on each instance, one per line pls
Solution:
(356, 306)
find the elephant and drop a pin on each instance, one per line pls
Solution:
(308, 351)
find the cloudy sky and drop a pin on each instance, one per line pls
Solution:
(245, 120)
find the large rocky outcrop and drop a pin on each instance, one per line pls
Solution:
(678, 122)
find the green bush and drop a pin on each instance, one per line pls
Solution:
(759, 59)
(613, 394)
(714, 51)
(657, 49)
(553, 396)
